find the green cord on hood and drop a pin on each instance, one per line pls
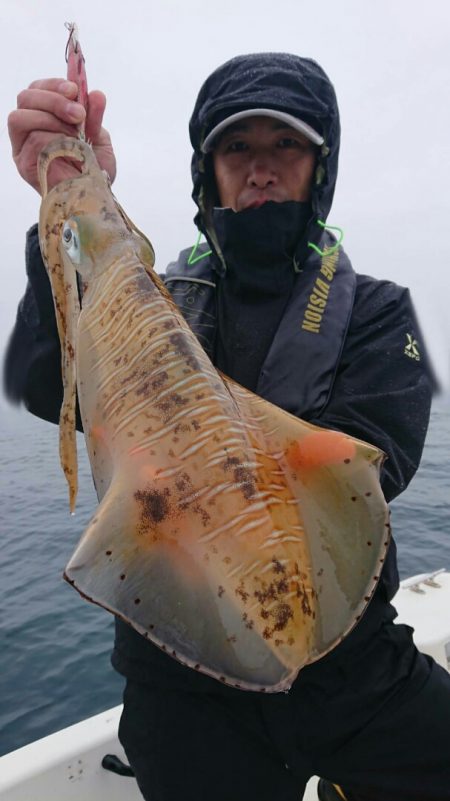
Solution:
(193, 259)
(331, 250)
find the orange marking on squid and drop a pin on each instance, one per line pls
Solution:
(98, 432)
(319, 449)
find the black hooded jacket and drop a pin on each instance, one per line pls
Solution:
(278, 81)
(325, 344)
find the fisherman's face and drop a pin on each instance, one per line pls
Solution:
(260, 159)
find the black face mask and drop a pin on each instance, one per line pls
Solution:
(262, 240)
(258, 246)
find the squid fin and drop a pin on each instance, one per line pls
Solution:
(335, 479)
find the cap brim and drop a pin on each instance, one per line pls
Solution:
(289, 119)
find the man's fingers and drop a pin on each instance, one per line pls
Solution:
(22, 123)
(46, 109)
(67, 88)
(43, 110)
(43, 100)
(94, 119)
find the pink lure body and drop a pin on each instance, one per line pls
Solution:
(76, 70)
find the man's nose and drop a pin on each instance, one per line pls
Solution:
(261, 172)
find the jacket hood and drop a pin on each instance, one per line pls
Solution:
(280, 81)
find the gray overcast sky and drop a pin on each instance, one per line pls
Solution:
(389, 61)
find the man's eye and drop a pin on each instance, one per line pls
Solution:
(236, 147)
(289, 141)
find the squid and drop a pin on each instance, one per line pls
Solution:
(241, 540)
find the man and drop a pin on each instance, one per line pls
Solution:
(372, 716)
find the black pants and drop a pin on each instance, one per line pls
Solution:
(375, 720)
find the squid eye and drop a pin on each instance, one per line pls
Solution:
(71, 243)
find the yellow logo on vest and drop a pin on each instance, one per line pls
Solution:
(318, 298)
(411, 348)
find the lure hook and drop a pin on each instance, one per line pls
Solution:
(73, 37)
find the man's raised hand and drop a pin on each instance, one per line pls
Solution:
(46, 110)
